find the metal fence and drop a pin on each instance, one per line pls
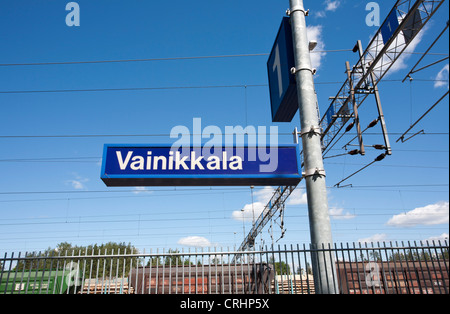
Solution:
(386, 268)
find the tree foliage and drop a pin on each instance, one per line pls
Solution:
(93, 261)
(412, 255)
(169, 260)
(281, 268)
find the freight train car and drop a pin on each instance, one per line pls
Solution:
(39, 282)
(405, 277)
(203, 279)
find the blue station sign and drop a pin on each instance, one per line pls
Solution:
(282, 85)
(163, 165)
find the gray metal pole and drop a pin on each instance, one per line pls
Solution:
(314, 173)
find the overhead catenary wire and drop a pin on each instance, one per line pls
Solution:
(164, 135)
(165, 235)
(402, 137)
(153, 59)
(78, 218)
(379, 158)
(162, 88)
(130, 60)
(88, 220)
(129, 89)
(173, 234)
(145, 194)
(177, 189)
(243, 55)
(413, 70)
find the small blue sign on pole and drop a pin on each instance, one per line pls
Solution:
(162, 165)
(330, 115)
(282, 85)
(390, 26)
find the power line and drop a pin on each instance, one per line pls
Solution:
(167, 135)
(176, 189)
(65, 222)
(137, 194)
(172, 234)
(154, 59)
(174, 58)
(76, 219)
(159, 234)
(402, 138)
(55, 159)
(395, 166)
(206, 189)
(229, 224)
(96, 160)
(170, 88)
(132, 60)
(129, 89)
(390, 186)
(80, 222)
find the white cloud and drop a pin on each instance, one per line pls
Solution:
(315, 33)
(194, 241)
(441, 77)
(249, 211)
(401, 64)
(320, 14)
(443, 237)
(262, 198)
(297, 198)
(264, 195)
(332, 5)
(78, 183)
(434, 214)
(338, 214)
(379, 237)
(141, 189)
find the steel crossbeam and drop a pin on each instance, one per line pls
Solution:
(374, 63)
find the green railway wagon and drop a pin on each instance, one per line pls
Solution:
(39, 282)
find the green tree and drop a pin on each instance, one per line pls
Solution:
(169, 260)
(174, 259)
(444, 255)
(281, 268)
(154, 261)
(308, 269)
(94, 261)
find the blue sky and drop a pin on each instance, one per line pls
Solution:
(51, 142)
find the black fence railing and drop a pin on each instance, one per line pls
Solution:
(386, 268)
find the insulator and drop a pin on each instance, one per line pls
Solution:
(353, 152)
(379, 146)
(350, 126)
(380, 158)
(373, 123)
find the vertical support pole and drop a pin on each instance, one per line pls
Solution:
(319, 218)
(381, 114)
(377, 99)
(362, 150)
(295, 134)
